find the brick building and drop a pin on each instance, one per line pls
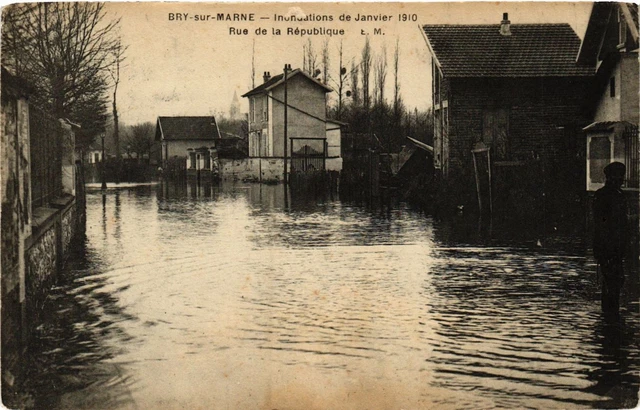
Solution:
(514, 91)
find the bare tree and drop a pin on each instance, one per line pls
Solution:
(64, 50)
(342, 79)
(114, 70)
(14, 35)
(365, 67)
(355, 91)
(398, 104)
(325, 61)
(396, 82)
(380, 76)
(310, 59)
(253, 64)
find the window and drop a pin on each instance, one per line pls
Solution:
(252, 109)
(97, 158)
(192, 160)
(622, 28)
(436, 84)
(612, 87)
(495, 131)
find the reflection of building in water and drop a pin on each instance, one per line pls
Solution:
(180, 189)
(307, 125)
(610, 49)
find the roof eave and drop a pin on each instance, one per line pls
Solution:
(294, 73)
(594, 33)
(431, 51)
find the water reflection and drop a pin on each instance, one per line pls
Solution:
(616, 377)
(242, 296)
(72, 361)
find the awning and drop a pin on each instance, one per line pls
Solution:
(421, 145)
(607, 126)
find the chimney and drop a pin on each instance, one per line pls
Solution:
(266, 76)
(505, 25)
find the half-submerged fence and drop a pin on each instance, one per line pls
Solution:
(46, 156)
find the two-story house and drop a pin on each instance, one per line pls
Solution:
(610, 49)
(513, 91)
(310, 135)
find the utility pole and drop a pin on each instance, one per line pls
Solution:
(287, 68)
(104, 181)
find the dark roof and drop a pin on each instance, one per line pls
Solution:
(532, 50)
(278, 79)
(607, 125)
(601, 12)
(187, 128)
(596, 28)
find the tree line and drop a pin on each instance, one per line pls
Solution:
(361, 101)
(71, 54)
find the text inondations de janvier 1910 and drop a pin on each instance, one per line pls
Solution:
(243, 24)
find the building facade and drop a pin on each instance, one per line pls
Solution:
(610, 49)
(189, 144)
(512, 92)
(308, 129)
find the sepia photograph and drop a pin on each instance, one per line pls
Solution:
(320, 205)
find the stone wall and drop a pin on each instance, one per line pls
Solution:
(15, 219)
(42, 261)
(36, 237)
(68, 229)
(272, 169)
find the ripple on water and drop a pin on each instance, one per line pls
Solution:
(248, 299)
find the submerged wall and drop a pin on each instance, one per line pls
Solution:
(272, 169)
(35, 240)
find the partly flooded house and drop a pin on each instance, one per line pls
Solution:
(312, 140)
(509, 109)
(610, 49)
(188, 144)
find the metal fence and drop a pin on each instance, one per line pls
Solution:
(307, 158)
(46, 157)
(632, 156)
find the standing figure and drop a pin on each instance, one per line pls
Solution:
(610, 236)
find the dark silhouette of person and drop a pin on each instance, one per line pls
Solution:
(610, 236)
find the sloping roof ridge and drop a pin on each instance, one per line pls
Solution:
(279, 79)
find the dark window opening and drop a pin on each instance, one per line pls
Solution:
(612, 87)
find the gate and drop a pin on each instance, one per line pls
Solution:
(305, 158)
(632, 156)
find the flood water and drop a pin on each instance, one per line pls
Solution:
(235, 297)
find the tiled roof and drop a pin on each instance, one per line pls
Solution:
(606, 125)
(532, 50)
(188, 128)
(278, 79)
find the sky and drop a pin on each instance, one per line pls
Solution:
(193, 67)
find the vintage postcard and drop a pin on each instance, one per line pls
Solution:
(301, 206)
